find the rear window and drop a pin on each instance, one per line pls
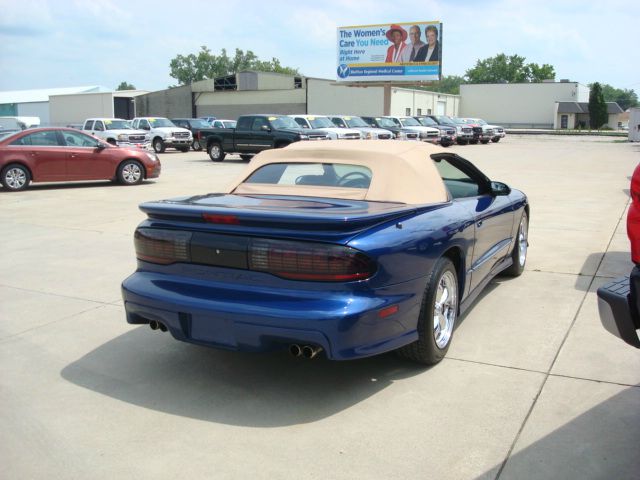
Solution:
(318, 174)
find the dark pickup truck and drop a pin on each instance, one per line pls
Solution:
(254, 133)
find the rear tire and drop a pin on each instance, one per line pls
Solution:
(484, 142)
(438, 316)
(15, 177)
(130, 172)
(519, 253)
(216, 154)
(495, 139)
(196, 146)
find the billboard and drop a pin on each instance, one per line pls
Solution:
(397, 52)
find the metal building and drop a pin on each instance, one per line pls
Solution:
(266, 92)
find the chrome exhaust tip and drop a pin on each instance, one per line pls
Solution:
(310, 351)
(163, 327)
(295, 350)
(154, 325)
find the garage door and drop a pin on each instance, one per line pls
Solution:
(442, 107)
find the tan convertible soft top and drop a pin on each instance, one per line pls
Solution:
(402, 171)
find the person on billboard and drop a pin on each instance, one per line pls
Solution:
(433, 46)
(397, 36)
(417, 50)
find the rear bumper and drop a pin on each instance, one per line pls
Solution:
(346, 324)
(617, 308)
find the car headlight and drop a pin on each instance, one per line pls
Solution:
(152, 156)
(123, 137)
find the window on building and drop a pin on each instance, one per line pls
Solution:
(407, 111)
(564, 121)
(428, 111)
(419, 112)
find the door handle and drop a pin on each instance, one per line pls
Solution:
(479, 223)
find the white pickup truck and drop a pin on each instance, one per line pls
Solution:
(163, 133)
(116, 131)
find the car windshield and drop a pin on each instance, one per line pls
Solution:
(445, 120)
(386, 122)
(160, 122)
(284, 122)
(460, 121)
(409, 122)
(320, 122)
(479, 121)
(200, 124)
(355, 122)
(427, 122)
(116, 125)
(230, 124)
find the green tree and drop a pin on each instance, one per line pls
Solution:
(623, 97)
(449, 84)
(598, 115)
(125, 86)
(192, 68)
(512, 69)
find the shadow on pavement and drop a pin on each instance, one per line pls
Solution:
(614, 264)
(153, 370)
(34, 187)
(601, 443)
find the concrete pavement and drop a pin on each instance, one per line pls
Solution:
(533, 386)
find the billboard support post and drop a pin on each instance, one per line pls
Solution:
(387, 99)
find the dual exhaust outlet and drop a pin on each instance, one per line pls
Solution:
(157, 326)
(306, 351)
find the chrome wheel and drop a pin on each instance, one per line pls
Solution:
(445, 308)
(523, 242)
(215, 151)
(15, 178)
(130, 173)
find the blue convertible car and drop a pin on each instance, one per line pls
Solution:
(351, 248)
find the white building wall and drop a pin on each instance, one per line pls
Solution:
(326, 98)
(634, 125)
(35, 109)
(404, 100)
(66, 109)
(518, 104)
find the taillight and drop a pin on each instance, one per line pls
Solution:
(286, 259)
(309, 261)
(162, 246)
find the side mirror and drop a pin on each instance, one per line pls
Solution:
(265, 128)
(499, 188)
(146, 127)
(101, 146)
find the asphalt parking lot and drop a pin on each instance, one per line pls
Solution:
(533, 386)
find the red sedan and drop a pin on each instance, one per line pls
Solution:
(65, 154)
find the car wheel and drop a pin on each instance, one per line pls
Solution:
(438, 316)
(484, 142)
(495, 139)
(462, 142)
(215, 152)
(196, 145)
(15, 177)
(158, 145)
(130, 172)
(246, 157)
(446, 144)
(519, 253)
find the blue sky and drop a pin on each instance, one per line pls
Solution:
(47, 44)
